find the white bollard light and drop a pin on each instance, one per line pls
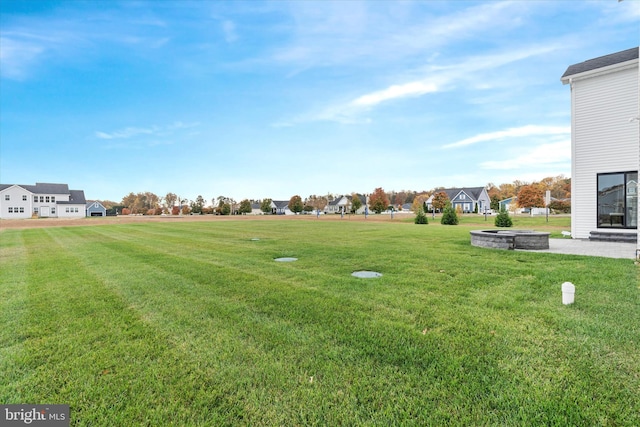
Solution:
(568, 293)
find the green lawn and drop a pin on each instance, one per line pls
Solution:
(193, 323)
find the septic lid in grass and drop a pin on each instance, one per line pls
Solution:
(254, 239)
(366, 274)
(286, 259)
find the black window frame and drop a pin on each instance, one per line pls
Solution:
(627, 213)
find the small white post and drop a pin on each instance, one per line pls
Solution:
(568, 293)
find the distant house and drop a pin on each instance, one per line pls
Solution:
(467, 200)
(509, 204)
(42, 200)
(281, 207)
(604, 144)
(95, 208)
(255, 209)
(344, 204)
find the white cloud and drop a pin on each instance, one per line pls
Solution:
(519, 132)
(130, 132)
(555, 153)
(127, 133)
(393, 92)
(17, 57)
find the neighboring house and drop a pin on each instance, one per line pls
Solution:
(255, 209)
(344, 203)
(509, 204)
(95, 208)
(42, 200)
(470, 199)
(337, 205)
(604, 144)
(281, 207)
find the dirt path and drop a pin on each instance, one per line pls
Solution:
(129, 219)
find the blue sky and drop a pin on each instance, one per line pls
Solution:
(252, 99)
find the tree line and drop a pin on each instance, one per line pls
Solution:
(527, 194)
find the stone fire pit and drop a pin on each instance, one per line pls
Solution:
(510, 239)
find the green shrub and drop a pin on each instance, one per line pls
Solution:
(449, 216)
(503, 219)
(421, 218)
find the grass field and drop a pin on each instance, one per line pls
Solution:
(193, 323)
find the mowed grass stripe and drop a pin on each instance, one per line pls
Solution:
(450, 333)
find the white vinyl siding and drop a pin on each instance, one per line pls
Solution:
(603, 138)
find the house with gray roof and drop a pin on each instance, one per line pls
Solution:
(605, 136)
(95, 208)
(43, 200)
(342, 204)
(466, 199)
(281, 207)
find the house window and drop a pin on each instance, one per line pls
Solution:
(10, 209)
(53, 199)
(35, 199)
(53, 211)
(41, 199)
(47, 199)
(24, 197)
(35, 210)
(618, 200)
(21, 210)
(67, 210)
(7, 197)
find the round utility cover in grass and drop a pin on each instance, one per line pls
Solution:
(286, 259)
(366, 274)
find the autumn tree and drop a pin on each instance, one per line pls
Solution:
(295, 204)
(317, 202)
(245, 207)
(440, 200)
(170, 200)
(419, 202)
(141, 202)
(530, 196)
(507, 190)
(378, 201)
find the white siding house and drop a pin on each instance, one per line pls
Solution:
(41, 200)
(605, 144)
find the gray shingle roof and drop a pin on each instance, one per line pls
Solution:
(602, 61)
(281, 204)
(47, 188)
(473, 192)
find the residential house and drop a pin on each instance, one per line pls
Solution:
(467, 200)
(344, 204)
(95, 208)
(605, 148)
(255, 209)
(509, 204)
(281, 207)
(42, 200)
